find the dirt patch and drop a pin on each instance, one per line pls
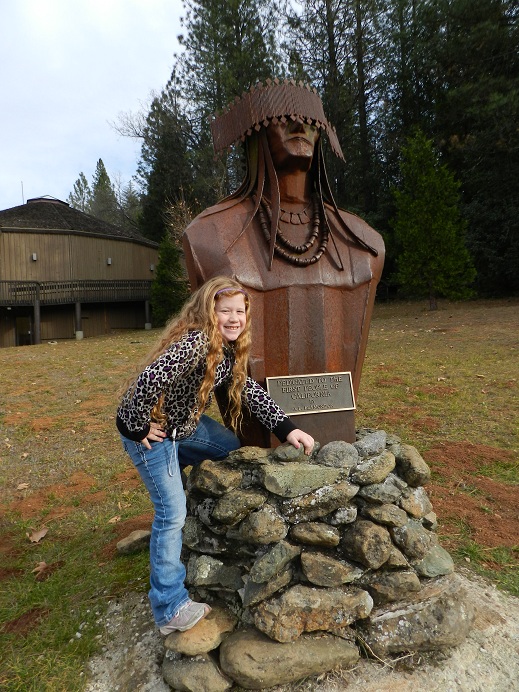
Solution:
(32, 505)
(23, 624)
(42, 424)
(130, 479)
(124, 528)
(437, 390)
(389, 381)
(485, 507)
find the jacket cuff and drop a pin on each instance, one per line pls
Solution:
(283, 429)
(136, 436)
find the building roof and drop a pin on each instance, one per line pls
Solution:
(48, 214)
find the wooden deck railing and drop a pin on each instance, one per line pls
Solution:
(13, 293)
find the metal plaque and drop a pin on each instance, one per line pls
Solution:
(319, 393)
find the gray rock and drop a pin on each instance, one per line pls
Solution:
(204, 511)
(437, 617)
(237, 504)
(436, 562)
(384, 493)
(396, 560)
(204, 570)
(323, 570)
(291, 480)
(196, 536)
(367, 543)
(319, 503)
(273, 561)
(315, 533)
(340, 454)
(392, 439)
(373, 470)
(213, 478)
(387, 515)
(430, 521)
(386, 587)
(412, 539)
(135, 542)
(371, 443)
(415, 502)
(245, 454)
(261, 527)
(344, 515)
(411, 466)
(287, 452)
(305, 609)
(197, 674)
(254, 593)
(206, 636)
(253, 660)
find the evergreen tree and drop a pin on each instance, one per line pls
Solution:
(165, 169)
(228, 46)
(103, 203)
(128, 204)
(168, 290)
(81, 196)
(433, 259)
(477, 111)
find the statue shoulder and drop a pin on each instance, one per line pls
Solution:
(222, 212)
(360, 228)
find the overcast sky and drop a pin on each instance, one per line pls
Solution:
(67, 69)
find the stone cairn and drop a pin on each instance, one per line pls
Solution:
(309, 561)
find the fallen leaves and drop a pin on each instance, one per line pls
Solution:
(44, 570)
(36, 536)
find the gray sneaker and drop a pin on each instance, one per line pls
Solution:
(186, 617)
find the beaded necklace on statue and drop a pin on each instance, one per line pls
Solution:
(282, 245)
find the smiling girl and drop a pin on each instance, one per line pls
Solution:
(163, 427)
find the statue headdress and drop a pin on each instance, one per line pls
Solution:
(272, 101)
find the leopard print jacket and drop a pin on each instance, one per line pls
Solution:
(178, 374)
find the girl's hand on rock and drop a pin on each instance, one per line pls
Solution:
(297, 437)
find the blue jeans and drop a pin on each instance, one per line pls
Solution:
(159, 469)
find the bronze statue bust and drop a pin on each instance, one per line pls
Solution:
(312, 269)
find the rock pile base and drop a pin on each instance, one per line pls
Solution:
(307, 561)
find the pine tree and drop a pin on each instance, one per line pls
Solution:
(103, 203)
(165, 169)
(81, 197)
(229, 45)
(168, 290)
(477, 111)
(433, 258)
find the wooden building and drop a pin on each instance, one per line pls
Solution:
(66, 274)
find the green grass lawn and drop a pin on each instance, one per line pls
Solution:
(444, 381)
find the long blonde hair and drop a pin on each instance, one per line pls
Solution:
(198, 312)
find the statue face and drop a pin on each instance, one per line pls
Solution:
(291, 141)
